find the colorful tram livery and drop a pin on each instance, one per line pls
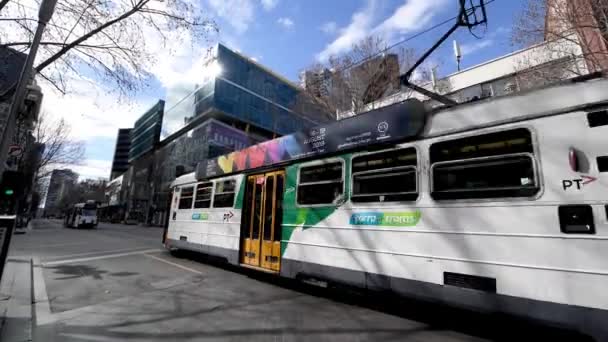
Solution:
(497, 205)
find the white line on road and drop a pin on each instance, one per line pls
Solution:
(105, 256)
(57, 245)
(174, 264)
(41, 300)
(85, 337)
(98, 252)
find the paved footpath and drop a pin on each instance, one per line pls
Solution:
(117, 283)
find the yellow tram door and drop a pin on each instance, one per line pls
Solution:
(273, 214)
(263, 210)
(251, 247)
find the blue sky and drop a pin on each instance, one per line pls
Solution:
(289, 35)
(289, 48)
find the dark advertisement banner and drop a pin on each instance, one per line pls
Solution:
(389, 124)
(223, 135)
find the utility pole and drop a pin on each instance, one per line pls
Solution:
(44, 15)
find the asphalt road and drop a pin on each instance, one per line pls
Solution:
(116, 283)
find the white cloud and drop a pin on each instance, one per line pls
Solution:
(238, 13)
(358, 28)
(269, 4)
(91, 112)
(411, 16)
(329, 27)
(466, 49)
(285, 22)
(93, 169)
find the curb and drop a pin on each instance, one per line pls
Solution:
(17, 314)
(40, 301)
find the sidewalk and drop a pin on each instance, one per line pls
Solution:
(16, 301)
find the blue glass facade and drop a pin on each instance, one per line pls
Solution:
(145, 134)
(233, 104)
(241, 90)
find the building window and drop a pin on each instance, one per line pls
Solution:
(385, 177)
(494, 165)
(203, 195)
(321, 184)
(224, 193)
(185, 198)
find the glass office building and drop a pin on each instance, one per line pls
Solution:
(146, 131)
(233, 88)
(234, 102)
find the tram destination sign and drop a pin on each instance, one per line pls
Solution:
(389, 124)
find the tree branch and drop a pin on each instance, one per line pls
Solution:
(3, 3)
(53, 83)
(90, 34)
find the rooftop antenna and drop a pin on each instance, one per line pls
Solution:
(457, 54)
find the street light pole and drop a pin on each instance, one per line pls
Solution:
(44, 15)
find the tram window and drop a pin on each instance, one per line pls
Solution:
(278, 215)
(493, 144)
(268, 214)
(385, 176)
(485, 166)
(185, 198)
(203, 195)
(224, 194)
(320, 184)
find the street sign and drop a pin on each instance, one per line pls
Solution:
(15, 151)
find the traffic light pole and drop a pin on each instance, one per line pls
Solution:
(7, 222)
(44, 15)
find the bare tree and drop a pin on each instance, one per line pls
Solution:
(575, 32)
(368, 72)
(114, 40)
(60, 148)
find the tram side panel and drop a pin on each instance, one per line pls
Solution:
(213, 231)
(512, 251)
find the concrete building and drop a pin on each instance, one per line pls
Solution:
(11, 63)
(587, 20)
(120, 162)
(354, 87)
(61, 181)
(317, 83)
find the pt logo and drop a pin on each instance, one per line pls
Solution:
(577, 182)
(228, 216)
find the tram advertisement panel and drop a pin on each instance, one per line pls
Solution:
(388, 124)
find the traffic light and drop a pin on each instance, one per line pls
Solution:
(11, 187)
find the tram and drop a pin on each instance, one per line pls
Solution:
(498, 205)
(82, 215)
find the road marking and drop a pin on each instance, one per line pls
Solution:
(58, 245)
(85, 337)
(42, 306)
(174, 264)
(62, 257)
(106, 256)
